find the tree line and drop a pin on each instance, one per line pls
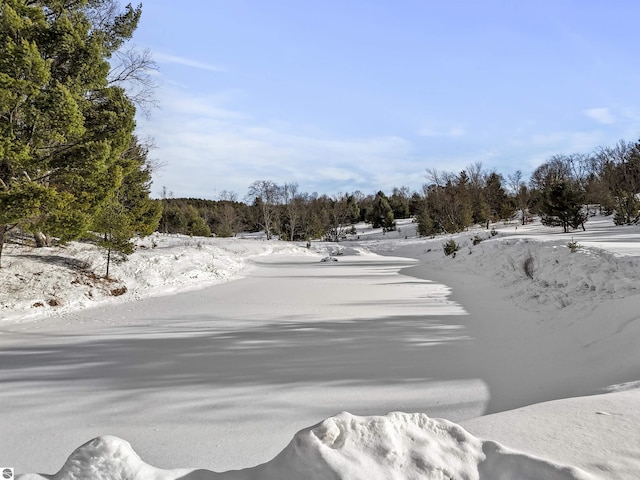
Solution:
(282, 211)
(558, 191)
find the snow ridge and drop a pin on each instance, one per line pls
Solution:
(398, 446)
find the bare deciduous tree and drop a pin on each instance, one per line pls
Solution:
(293, 207)
(266, 195)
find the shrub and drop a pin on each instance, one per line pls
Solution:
(494, 232)
(574, 246)
(477, 239)
(528, 266)
(451, 247)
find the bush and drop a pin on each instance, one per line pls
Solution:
(528, 266)
(476, 240)
(451, 247)
(574, 246)
(494, 232)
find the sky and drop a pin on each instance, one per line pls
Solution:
(346, 95)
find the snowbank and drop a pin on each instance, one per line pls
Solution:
(535, 266)
(50, 281)
(398, 445)
(605, 266)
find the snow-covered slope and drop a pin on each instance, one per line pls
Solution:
(38, 282)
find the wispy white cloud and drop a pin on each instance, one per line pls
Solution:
(538, 148)
(567, 141)
(452, 132)
(209, 144)
(208, 148)
(187, 62)
(600, 115)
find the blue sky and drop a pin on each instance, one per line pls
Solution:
(345, 95)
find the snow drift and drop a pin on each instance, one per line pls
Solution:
(395, 446)
(568, 329)
(56, 280)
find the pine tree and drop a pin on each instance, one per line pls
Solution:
(562, 206)
(381, 214)
(196, 225)
(399, 202)
(63, 127)
(116, 231)
(496, 197)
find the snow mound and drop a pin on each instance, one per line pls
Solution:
(108, 458)
(538, 273)
(556, 276)
(398, 446)
(337, 250)
(57, 280)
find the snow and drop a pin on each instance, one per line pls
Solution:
(398, 445)
(221, 349)
(162, 264)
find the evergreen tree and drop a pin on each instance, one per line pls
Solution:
(196, 225)
(143, 212)
(63, 127)
(460, 202)
(381, 214)
(128, 211)
(424, 219)
(627, 209)
(399, 202)
(496, 198)
(562, 206)
(116, 231)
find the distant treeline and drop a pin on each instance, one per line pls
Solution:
(449, 202)
(284, 212)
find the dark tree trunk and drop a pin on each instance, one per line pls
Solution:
(3, 230)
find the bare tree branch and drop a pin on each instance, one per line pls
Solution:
(133, 70)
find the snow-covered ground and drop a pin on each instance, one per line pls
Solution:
(39, 282)
(517, 338)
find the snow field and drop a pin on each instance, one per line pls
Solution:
(568, 329)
